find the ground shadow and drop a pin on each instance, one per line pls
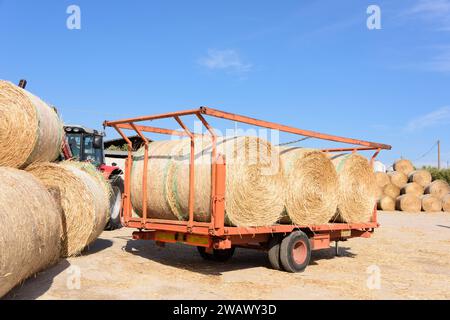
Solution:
(97, 246)
(187, 258)
(439, 225)
(37, 285)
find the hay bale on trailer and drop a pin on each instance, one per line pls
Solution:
(413, 188)
(84, 203)
(446, 203)
(30, 130)
(254, 180)
(357, 188)
(422, 177)
(430, 203)
(391, 190)
(29, 230)
(438, 188)
(404, 166)
(386, 203)
(409, 203)
(398, 178)
(311, 185)
(382, 179)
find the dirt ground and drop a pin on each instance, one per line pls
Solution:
(409, 254)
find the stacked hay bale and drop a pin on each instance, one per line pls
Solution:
(414, 187)
(254, 180)
(29, 230)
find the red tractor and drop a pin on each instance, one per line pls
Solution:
(84, 144)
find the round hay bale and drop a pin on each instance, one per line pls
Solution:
(386, 203)
(380, 192)
(84, 203)
(357, 188)
(446, 203)
(391, 190)
(30, 131)
(430, 203)
(413, 188)
(382, 179)
(422, 177)
(408, 203)
(398, 178)
(404, 166)
(311, 185)
(29, 230)
(438, 188)
(254, 180)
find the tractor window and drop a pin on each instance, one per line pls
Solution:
(74, 144)
(89, 152)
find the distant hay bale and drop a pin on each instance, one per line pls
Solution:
(254, 180)
(30, 130)
(404, 166)
(382, 179)
(413, 188)
(398, 178)
(438, 188)
(430, 203)
(311, 185)
(446, 203)
(391, 190)
(30, 227)
(380, 192)
(357, 188)
(422, 177)
(386, 203)
(84, 203)
(408, 203)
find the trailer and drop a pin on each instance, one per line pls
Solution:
(288, 246)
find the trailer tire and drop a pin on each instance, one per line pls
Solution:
(117, 187)
(217, 255)
(295, 252)
(205, 255)
(274, 252)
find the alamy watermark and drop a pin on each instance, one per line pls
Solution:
(73, 281)
(373, 281)
(374, 20)
(73, 21)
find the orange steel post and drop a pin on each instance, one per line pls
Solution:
(219, 198)
(155, 117)
(152, 129)
(191, 173)
(145, 174)
(127, 188)
(348, 149)
(372, 160)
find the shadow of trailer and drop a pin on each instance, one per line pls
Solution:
(288, 246)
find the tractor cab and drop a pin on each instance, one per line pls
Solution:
(85, 144)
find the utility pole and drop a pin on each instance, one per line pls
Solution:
(439, 154)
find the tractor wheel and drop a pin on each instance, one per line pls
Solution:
(295, 252)
(217, 255)
(274, 252)
(117, 186)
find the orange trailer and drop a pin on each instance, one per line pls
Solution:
(289, 246)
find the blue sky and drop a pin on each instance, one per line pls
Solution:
(310, 64)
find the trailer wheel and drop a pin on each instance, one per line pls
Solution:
(117, 187)
(274, 252)
(217, 255)
(295, 252)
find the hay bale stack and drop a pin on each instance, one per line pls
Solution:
(438, 188)
(357, 188)
(446, 203)
(254, 180)
(409, 203)
(422, 177)
(386, 203)
(84, 203)
(30, 226)
(391, 190)
(430, 203)
(311, 185)
(413, 188)
(30, 130)
(404, 166)
(382, 179)
(398, 178)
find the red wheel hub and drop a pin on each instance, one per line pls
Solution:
(299, 252)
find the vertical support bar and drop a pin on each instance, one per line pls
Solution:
(126, 204)
(191, 173)
(372, 160)
(144, 176)
(219, 199)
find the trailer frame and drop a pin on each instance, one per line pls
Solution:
(215, 235)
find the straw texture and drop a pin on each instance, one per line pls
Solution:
(398, 178)
(386, 203)
(85, 206)
(382, 179)
(391, 190)
(30, 131)
(357, 188)
(29, 230)
(413, 188)
(430, 203)
(446, 203)
(311, 185)
(422, 177)
(408, 203)
(404, 166)
(438, 188)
